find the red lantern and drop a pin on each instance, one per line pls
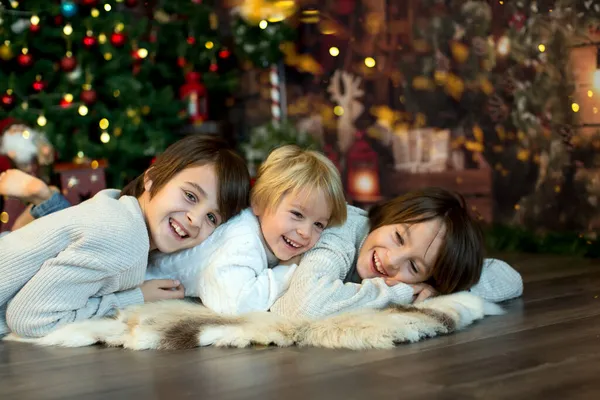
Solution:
(195, 93)
(363, 171)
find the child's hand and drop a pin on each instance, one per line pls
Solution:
(162, 289)
(423, 291)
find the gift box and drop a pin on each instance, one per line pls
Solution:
(81, 181)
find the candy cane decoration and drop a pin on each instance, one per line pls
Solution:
(275, 94)
(278, 101)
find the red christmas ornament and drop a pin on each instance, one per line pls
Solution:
(89, 3)
(89, 41)
(224, 53)
(39, 85)
(191, 40)
(181, 62)
(88, 96)
(131, 3)
(118, 39)
(64, 103)
(195, 93)
(213, 67)
(25, 60)
(8, 100)
(68, 63)
(34, 28)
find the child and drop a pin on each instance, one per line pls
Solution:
(89, 259)
(404, 250)
(297, 195)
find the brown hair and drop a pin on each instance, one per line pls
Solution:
(194, 151)
(460, 260)
(290, 169)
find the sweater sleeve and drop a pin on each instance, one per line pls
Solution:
(65, 289)
(237, 278)
(317, 288)
(498, 281)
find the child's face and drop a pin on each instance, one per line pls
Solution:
(295, 225)
(402, 253)
(184, 212)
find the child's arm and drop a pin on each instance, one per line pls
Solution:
(66, 289)
(237, 280)
(498, 281)
(317, 288)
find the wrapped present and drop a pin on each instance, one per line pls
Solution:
(81, 181)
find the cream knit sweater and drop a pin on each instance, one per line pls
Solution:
(75, 264)
(317, 288)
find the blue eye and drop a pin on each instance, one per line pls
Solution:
(212, 218)
(190, 196)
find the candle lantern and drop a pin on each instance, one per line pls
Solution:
(362, 171)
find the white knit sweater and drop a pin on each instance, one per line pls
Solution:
(81, 262)
(317, 288)
(232, 271)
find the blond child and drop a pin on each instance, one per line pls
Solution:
(242, 266)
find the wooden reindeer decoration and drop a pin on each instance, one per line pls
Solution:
(345, 91)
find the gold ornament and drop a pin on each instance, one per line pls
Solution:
(486, 86)
(6, 52)
(422, 83)
(460, 52)
(523, 155)
(455, 86)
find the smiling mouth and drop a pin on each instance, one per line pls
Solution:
(177, 229)
(377, 265)
(291, 243)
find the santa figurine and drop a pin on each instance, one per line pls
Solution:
(22, 147)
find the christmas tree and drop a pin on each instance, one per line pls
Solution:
(119, 79)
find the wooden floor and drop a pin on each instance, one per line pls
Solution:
(546, 346)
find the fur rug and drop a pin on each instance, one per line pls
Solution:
(180, 324)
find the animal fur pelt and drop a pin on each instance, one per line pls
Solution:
(180, 324)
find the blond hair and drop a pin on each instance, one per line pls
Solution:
(290, 169)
